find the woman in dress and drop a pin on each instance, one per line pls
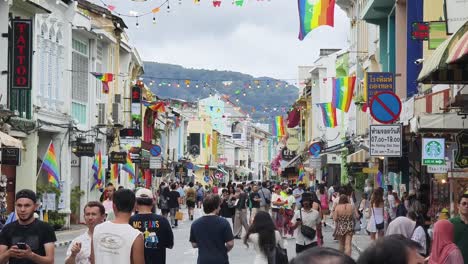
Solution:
(323, 197)
(364, 210)
(444, 251)
(344, 223)
(375, 226)
(264, 237)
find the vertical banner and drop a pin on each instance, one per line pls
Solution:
(414, 13)
(21, 53)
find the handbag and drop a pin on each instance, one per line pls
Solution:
(380, 226)
(307, 231)
(278, 255)
(179, 216)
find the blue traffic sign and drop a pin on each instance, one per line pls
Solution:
(155, 150)
(385, 107)
(189, 166)
(206, 179)
(315, 149)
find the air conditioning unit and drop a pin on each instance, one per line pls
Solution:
(117, 114)
(101, 118)
(118, 98)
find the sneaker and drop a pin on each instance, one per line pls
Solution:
(173, 226)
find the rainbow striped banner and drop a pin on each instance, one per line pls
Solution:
(49, 164)
(278, 127)
(129, 168)
(313, 14)
(99, 174)
(343, 89)
(105, 78)
(329, 115)
(115, 170)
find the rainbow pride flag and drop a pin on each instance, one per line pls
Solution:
(115, 170)
(159, 107)
(315, 13)
(208, 139)
(343, 89)
(49, 164)
(278, 126)
(99, 172)
(328, 114)
(301, 172)
(129, 168)
(105, 78)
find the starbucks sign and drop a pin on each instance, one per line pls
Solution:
(433, 152)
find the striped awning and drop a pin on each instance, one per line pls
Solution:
(359, 156)
(459, 51)
(436, 70)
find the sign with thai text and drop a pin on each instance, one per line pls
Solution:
(385, 140)
(21, 53)
(377, 82)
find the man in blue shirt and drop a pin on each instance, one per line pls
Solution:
(298, 194)
(211, 234)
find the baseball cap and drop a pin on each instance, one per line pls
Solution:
(26, 193)
(144, 193)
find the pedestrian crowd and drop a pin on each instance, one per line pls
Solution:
(125, 228)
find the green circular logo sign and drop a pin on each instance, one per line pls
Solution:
(433, 149)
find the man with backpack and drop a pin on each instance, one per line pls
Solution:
(265, 196)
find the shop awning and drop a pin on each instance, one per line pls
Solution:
(459, 52)
(436, 70)
(9, 141)
(292, 162)
(438, 122)
(359, 156)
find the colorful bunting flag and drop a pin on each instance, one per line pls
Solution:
(49, 164)
(343, 89)
(239, 2)
(217, 3)
(313, 14)
(329, 115)
(105, 78)
(115, 171)
(99, 173)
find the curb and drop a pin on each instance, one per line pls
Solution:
(62, 243)
(353, 243)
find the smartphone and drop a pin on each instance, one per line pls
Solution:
(298, 220)
(21, 245)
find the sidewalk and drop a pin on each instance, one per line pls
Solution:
(65, 237)
(360, 240)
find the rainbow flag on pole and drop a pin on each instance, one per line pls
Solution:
(315, 13)
(159, 107)
(343, 89)
(49, 164)
(278, 126)
(328, 114)
(129, 168)
(105, 78)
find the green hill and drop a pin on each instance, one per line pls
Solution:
(261, 97)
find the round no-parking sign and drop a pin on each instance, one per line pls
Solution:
(385, 107)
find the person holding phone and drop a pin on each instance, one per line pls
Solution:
(27, 240)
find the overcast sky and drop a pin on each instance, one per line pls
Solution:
(259, 38)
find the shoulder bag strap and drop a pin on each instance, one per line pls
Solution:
(373, 215)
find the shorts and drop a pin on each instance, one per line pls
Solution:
(190, 204)
(199, 198)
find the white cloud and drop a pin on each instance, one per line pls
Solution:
(259, 38)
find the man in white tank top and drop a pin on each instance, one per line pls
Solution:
(116, 241)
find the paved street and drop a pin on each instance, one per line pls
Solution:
(183, 253)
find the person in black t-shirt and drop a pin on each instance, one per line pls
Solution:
(156, 229)
(211, 234)
(240, 218)
(255, 199)
(173, 202)
(27, 240)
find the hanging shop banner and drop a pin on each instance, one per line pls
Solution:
(118, 157)
(385, 141)
(21, 53)
(11, 156)
(84, 149)
(377, 82)
(461, 158)
(433, 151)
(133, 146)
(136, 94)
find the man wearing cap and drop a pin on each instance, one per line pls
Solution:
(27, 240)
(156, 229)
